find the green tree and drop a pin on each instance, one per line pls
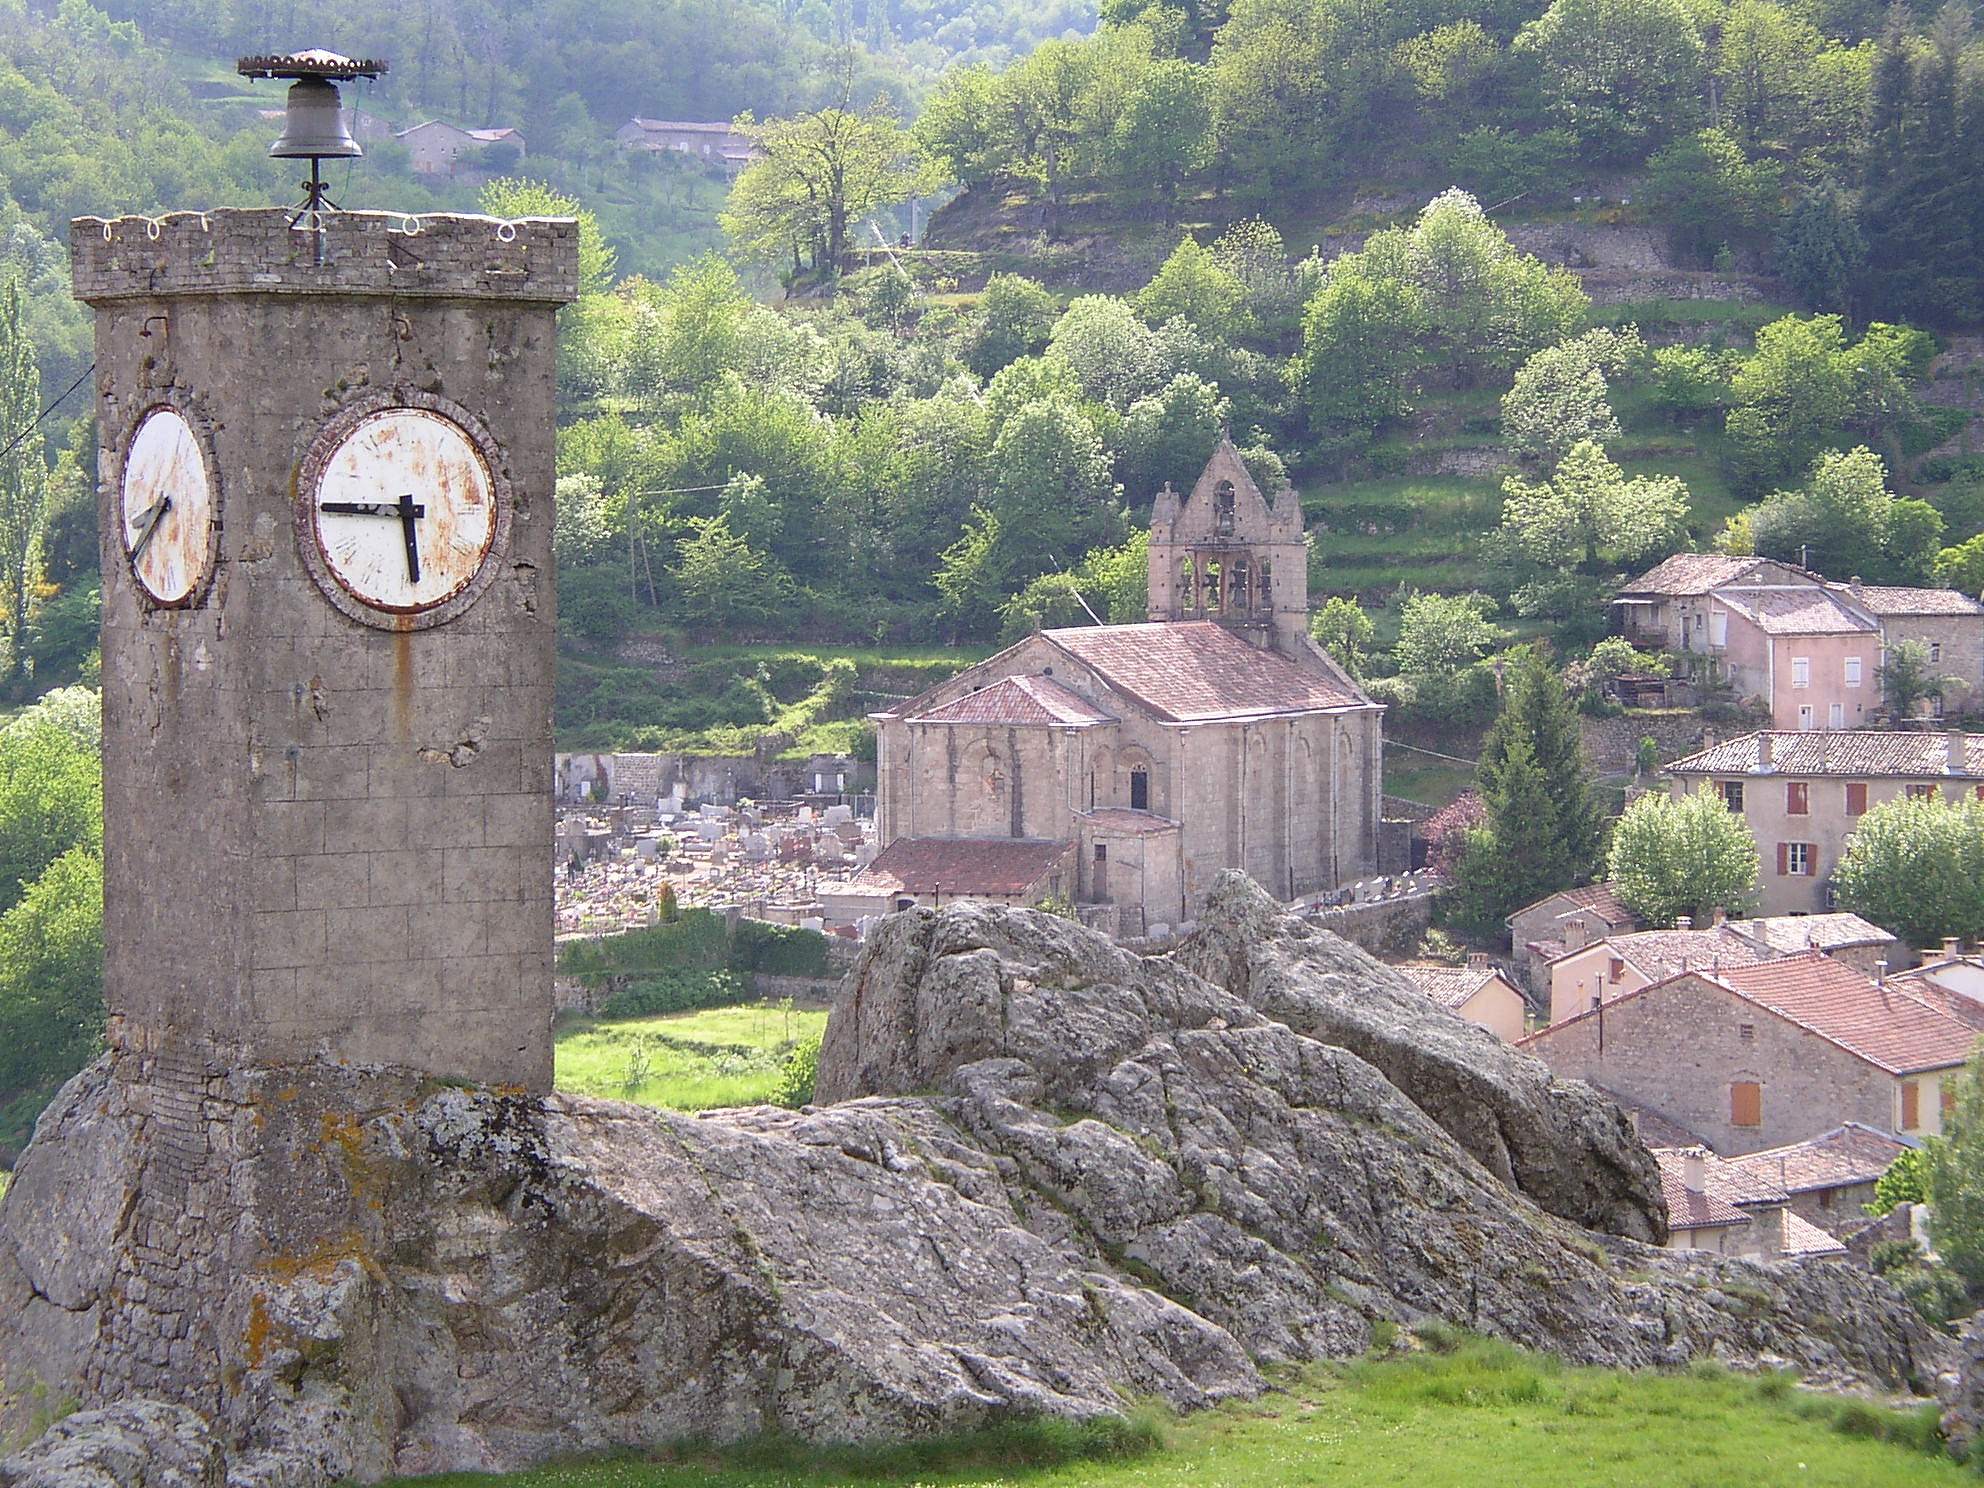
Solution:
(1169, 435)
(1953, 1180)
(722, 582)
(516, 196)
(1564, 843)
(1162, 136)
(1820, 248)
(818, 175)
(23, 482)
(1342, 628)
(1357, 353)
(1962, 567)
(1050, 489)
(1711, 195)
(1902, 1183)
(1908, 679)
(1193, 286)
(1622, 74)
(1561, 396)
(1589, 507)
(1843, 522)
(1916, 867)
(1015, 316)
(1807, 385)
(1690, 856)
(1440, 634)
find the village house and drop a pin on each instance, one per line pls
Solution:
(1803, 794)
(1828, 1180)
(1722, 1207)
(1808, 649)
(1218, 735)
(717, 145)
(1478, 992)
(1760, 1056)
(438, 148)
(1543, 931)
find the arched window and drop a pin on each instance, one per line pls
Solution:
(1222, 506)
(1139, 789)
(1267, 585)
(1241, 588)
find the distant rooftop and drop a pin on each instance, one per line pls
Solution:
(1849, 753)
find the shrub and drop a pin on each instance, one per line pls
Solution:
(798, 1075)
(676, 992)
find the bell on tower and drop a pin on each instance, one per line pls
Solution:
(1226, 553)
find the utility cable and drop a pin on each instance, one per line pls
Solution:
(14, 443)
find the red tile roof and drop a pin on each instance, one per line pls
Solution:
(1812, 611)
(1660, 954)
(1894, 1029)
(1196, 671)
(1024, 700)
(1689, 573)
(1852, 754)
(1885, 599)
(1450, 986)
(1844, 1156)
(1803, 1238)
(962, 865)
(1690, 1209)
(1836, 930)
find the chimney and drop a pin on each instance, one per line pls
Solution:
(1880, 973)
(1953, 946)
(1577, 934)
(1694, 1169)
(1719, 918)
(1763, 750)
(1478, 961)
(1684, 922)
(1959, 752)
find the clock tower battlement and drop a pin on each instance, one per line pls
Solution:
(328, 632)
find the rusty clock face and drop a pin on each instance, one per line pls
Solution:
(167, 506)
(402, 513)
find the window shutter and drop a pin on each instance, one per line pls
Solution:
(1856, 799)
(1911, 1105)
(1746, 1103)
(1783, 859)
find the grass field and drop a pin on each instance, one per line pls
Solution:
(684, 1061)
(1483, 1416)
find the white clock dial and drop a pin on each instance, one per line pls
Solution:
(404, 510)
(167, 508)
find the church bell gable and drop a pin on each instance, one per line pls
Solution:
(1226, 553)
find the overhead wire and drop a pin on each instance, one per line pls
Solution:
(13, 444)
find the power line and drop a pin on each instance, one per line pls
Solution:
(14, 443)
(1418, 749)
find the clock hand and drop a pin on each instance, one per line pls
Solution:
(408, 514)
(148, 524)
(406, 509)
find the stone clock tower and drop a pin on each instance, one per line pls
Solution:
(327, 642)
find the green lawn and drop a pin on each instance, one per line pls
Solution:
(684, 1061)
(1486, 1416)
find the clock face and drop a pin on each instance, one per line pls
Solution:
(402, 514)
(167, 502)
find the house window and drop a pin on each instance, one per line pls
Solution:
(1616, 970)
(1935, 651)
(1797, 798)
(1746, 1032)
(1911, 1104)
(1718, 629)
(1794, 859)
(1732, 793)
(1806, 721)
(1919, 791)
(1801, 671)
(1102, 852)
(1140, 790)
(1836, 715)
(1267, 584)
(1856, 798)
(1946, 1101)
(1746, 1103)
(1852, 671)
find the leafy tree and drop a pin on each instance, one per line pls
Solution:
(1953, 1180)
(1050, 490)
(1564, 843)
(818, 175)
(1711, 194)
(971, 575)
(1441, 634)
(722, 582)
(1962, 567)
(1844, 521)
(1916, 867)
(1163, 134)
(1115, 357)
(1517, 857)
(23, 483)
(1342, 628)
(1014, 319)
(1622, 74)
(1807, 384)
(1765, 61)
(1908, 679)
(1560, 398)
(1169, 435)
(1904, 1182)
(518, 196)
(1110, 586)
(1589, 507)
(1357, 352)
(1689, 856)
(1193, 286)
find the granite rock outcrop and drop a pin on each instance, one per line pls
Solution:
(1045, 1173)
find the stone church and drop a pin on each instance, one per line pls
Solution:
(1127, 765)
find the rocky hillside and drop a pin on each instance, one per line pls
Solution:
(1055, 1172)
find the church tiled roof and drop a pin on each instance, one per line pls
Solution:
(1018, 700)
(962, 865)
(1196, 671)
